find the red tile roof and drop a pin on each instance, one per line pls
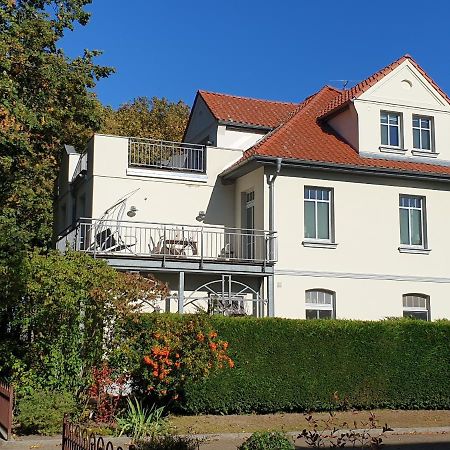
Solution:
(247, 111)
(349, 94)
(303, 137)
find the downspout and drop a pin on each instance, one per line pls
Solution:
(271, 183)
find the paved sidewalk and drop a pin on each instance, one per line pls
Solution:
(430, 438)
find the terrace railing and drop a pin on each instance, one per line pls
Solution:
(168, 155)
(170, 241)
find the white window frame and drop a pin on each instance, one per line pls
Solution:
(418, 309)
(423, 221)
(330, 203)
(399, 127)
(420, 128)
(311, 306)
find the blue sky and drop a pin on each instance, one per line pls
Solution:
(282, 50)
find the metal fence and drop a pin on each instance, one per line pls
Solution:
(76, 438)
(166, 155)
(6, 410)
(173, 241)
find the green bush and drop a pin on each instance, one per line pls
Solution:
(42, 412)
(299, 365)
(169, 442)
(267, 441)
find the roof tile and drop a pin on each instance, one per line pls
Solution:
(249, 111)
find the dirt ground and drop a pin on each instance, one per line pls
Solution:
(296, 422)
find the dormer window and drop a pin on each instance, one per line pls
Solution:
(390, 129)
(422, 133)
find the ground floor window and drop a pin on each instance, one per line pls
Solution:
(416, 306)
(320, 304)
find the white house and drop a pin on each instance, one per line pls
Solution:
(338, 206)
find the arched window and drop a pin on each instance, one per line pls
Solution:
(416, 306)
(320, 304)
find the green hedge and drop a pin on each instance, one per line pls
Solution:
(299, 365)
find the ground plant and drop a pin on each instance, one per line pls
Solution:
(141, 423)
(41, 411)
(331, 434)
(268, 440)
(168, 442)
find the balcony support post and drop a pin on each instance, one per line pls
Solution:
(181, 293)
(270, 296)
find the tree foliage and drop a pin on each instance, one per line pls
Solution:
(45, 101)
(69, 315)
(155, 118)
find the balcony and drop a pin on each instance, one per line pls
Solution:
(166, 155)
(171, 244)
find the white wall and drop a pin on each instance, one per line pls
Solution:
(232, 137)
(202, 125)
(161, 199)
(367, 261)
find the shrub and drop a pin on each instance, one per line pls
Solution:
(267, 440)
(169, 350)
(42, 412)
(169, 442)
(299, 365)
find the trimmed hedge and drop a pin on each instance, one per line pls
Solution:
(299, 365)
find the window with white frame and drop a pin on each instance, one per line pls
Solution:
(416, 306)
(390, 123)
(422, 133)
(320, 304)
(412, 221)
(318, 213)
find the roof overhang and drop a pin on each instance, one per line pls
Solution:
(256, 161)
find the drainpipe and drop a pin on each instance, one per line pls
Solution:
(270, 281)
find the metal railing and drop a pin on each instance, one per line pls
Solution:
(166, 155)
(81, 166)
(6, 410)
(170, 241)
(75, 437)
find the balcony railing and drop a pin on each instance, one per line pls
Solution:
(168, 155)
(170, 241)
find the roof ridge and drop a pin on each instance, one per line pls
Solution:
(307, 102)
(201, 91)
(355, 91)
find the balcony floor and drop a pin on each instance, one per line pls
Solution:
(172, 263)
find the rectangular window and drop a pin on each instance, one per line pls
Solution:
(416, 306)
(319, 304)
(318, 213)
(390, 129)
(412, 221)
(422, 132)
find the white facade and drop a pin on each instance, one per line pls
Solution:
(363, 269)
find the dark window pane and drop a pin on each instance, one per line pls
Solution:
(311, 313)
(384, 118)
(416, 138)
(426, 141)
(384, 135)
(404, 227)
(393, 136)
(323, 221)
(416, 227)
(310, 220)
(416, 122)
(420, 315)
(425, 123)
(393, 119)
(325, 314)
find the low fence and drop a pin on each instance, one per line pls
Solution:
(6, 410)
(76, 438)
